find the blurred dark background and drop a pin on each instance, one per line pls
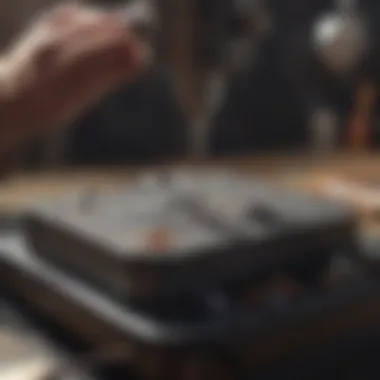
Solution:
(271, 98)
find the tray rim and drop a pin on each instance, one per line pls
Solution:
(133, 324)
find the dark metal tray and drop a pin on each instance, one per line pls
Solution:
(324, 361)
(314, 317)
(352, 358)
(98, 320)
(147, 240)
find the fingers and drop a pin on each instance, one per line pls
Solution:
(101, 56)
(58, 30)
(70, 58)
(106, 43)
(94, 38)
(99, 71)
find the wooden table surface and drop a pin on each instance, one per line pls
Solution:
(20, 190)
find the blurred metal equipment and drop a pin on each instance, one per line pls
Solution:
(341, 38)
(234, 31)
(342, 42)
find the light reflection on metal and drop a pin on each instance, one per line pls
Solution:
(341, 38)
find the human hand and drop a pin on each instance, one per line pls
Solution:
(68, 59)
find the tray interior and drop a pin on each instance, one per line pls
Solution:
(281, 299)
(192, 213)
